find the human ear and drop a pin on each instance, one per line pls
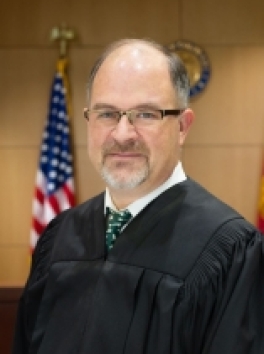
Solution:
(185, 121)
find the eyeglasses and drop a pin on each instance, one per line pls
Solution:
(136, 117)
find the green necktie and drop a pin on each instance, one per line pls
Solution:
(116, 220)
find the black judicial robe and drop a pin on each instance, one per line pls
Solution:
(185, 277)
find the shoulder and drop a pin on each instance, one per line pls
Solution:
(227, 225)
(199, 197)
(42, 257)
(232, 243)
(208, 213)
(43, 252)
(210, 234)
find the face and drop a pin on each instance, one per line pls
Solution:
(132, 159)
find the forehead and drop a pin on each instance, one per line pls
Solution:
(139, 58)
(133, 71)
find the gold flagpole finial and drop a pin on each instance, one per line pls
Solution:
(62, 35)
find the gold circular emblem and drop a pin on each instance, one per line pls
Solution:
(196, 62)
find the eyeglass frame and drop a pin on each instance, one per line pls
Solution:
(164, 112)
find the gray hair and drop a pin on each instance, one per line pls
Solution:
(177, 70)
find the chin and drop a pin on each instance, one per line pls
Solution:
(124, 182)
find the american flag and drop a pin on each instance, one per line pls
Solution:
(54, 189)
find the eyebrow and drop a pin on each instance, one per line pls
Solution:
(102, 105)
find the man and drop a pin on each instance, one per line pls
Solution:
(186, 273)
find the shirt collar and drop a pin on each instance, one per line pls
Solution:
(177, 176)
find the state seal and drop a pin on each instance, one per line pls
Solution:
(196, 62)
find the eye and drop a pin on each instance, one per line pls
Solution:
(106, 114)
(147, 115)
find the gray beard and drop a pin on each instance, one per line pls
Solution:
(114, 179)
(134, 180)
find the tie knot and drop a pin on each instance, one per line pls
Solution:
(119, 216)
(116, 221)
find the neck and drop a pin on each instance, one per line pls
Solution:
(123, 198)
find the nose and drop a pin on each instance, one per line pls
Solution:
(124, 130)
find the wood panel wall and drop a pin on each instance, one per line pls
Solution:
(9, 298)
(224, 149)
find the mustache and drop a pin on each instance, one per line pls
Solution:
(128, 146)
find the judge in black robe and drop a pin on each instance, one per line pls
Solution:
(186, 275)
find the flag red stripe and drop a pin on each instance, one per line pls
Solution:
(69, 194)
(38, 226)
(54, 204)
(39, 195)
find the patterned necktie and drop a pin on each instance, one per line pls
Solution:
(116, 221)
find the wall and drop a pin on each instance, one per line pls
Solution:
(8, 310)
(223, 151)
